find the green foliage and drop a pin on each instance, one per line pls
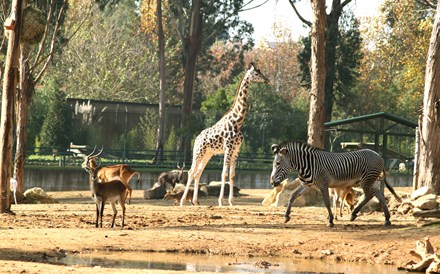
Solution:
(57, 124)
(36, 114)
(171, 140)
(109, 59)
(148, 129)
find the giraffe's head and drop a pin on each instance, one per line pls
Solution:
(257, 76)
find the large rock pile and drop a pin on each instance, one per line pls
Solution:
(421, 204)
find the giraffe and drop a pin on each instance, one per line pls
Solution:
(224, 137)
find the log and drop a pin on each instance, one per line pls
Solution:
(433, 213)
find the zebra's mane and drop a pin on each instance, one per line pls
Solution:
(300, 144)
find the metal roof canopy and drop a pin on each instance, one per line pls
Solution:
(377, 124)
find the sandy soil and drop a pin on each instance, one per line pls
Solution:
(33, 238)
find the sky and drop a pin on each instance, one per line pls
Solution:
(263, 18)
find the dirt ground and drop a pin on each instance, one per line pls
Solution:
(38, 234)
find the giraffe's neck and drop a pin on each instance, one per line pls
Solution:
(240, 106)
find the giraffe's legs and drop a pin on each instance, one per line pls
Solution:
(224, 178)
(229, 162)
(197, 175)
(188, 183)
(233, 163)
(199, 163)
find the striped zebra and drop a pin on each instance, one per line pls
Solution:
(323, 170)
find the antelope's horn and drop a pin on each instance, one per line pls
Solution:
(99, 153)
(92, 152)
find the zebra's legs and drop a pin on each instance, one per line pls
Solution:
(297, 192)
(368, 194)
(326, 199)
(379, 195)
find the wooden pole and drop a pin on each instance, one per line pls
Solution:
(7, 109)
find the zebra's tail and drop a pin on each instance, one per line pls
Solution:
(390, 188)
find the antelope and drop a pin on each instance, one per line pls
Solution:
(111, 191)
(105, 174)
(178, 195)
(171, 177)
(347, 196)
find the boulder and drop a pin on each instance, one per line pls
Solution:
(203, 189)
(372, 205)
(272, 196)
(36, 195)
(156, 192)
(310, 198)
(424, 190)
(426, 202)
(214, 189)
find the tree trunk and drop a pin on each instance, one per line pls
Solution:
(163, 86)
(191, 47)
(332, 37)
(428, 164)
(7, 108)
(318, 74)
(23, 100)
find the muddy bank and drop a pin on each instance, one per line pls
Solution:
(38, 233)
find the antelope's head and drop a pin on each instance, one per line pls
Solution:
(90, 161)
(180, 177)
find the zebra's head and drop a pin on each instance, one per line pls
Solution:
(281, 165)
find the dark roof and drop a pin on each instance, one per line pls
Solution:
(361, 118)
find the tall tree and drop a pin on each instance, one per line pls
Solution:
(331, 43)
(191, 44)
(428, 164)
(7, 108)
(162, 84)
(318, 75)
(38, 48)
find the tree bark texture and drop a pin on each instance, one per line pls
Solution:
(428, 171)
(163, 85)
(7, 108)
(23, 100)
(192, 46)
(318, 75)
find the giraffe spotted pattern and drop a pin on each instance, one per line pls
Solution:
(224, 137)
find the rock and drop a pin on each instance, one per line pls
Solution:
(404, 208)
(214, 189)
(272, 196)
(426, 202)
(421, 192)
(371, 206)
(203, 189)
(310, 198)
(156, 192)
(37, 195)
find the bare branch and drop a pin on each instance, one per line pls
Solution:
(428, 3)
(254, 7)
(308, 23)
(49, 56)
(52, 43)
(43, 39)
(337, 9)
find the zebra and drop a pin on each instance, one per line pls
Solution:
(322, 169)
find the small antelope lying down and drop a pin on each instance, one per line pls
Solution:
(178, 195)
(112, 192)
(347, 197)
